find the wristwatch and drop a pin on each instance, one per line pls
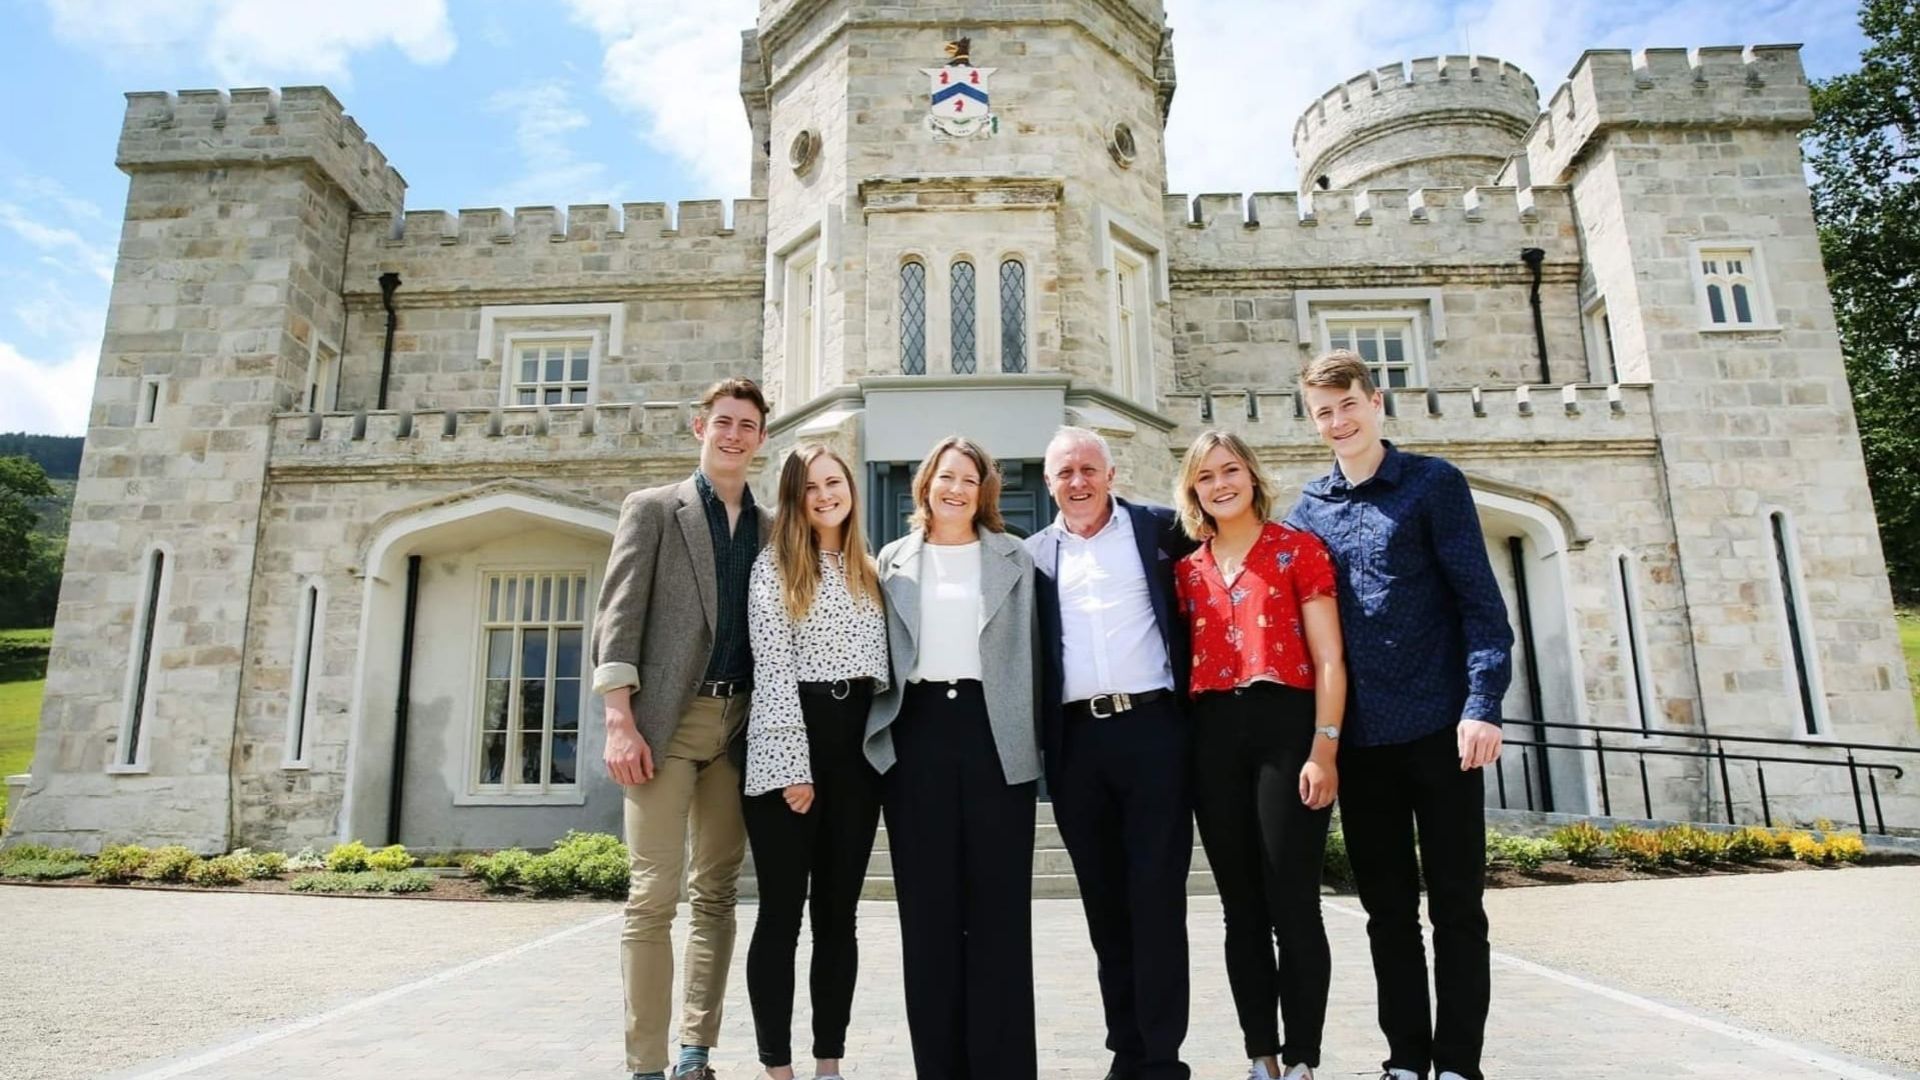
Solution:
(1331, 733)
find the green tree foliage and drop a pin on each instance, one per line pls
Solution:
(29, 561)
(58, 454)
(1864, 148)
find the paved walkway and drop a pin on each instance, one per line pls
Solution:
(1652, 979)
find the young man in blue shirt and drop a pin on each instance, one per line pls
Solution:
(1429, 659)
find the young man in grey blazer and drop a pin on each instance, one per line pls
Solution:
(672, 664)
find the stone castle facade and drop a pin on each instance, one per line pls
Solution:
(352, 469)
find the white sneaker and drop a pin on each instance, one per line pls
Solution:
(1450, 1075)
(1402, 1074)
(1299, 1072)
(1258, 1071)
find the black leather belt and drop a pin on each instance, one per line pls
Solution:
(724, 688)
(1103, 706)
(837, 689)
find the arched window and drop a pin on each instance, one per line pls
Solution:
(965, 310)
(913, 318)
(1013, 315)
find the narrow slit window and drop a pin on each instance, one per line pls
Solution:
(913, 318)
(1013, 315)
(149, 401)
(1796, 630)
(303, 677)
(143, 663)
(965, 338)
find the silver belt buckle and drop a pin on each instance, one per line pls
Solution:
(842, 689)
(1093, 706)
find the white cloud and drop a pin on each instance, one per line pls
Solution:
(57, 243)
(248, 42)
(544, 122)
(48, 397)
(677, 66)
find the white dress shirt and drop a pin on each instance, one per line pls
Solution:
(1109, 641)
(949, 613)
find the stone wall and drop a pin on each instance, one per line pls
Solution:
(1443, 119)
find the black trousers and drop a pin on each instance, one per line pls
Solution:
(1266, 849)
(961, 839)
(1124, 811)
(1388, 795)
(818, 861)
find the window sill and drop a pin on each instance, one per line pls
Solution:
(129, 770)
(296, 766)
(572, 797)
(1752, 328)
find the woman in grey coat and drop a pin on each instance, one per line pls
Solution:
(955, 737)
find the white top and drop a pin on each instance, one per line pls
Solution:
(949, 613)
(1109, 642)
(841, 638)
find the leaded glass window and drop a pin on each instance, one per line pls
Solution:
(533, 635)
(965, 338)
(1013, 316)
(913, 318)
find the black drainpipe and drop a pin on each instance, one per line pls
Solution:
(1536, 699)
(406, 695)
(1533, 257)
(390, 282)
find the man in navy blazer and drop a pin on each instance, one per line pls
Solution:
(1114, 666)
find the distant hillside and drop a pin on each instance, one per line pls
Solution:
(59, 455)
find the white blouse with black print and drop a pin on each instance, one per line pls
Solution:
(841, 638)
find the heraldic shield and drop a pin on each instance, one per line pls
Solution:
(958, 108)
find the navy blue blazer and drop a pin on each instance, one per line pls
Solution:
(1156, 531)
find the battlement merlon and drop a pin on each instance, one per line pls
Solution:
(1754, 86)
(1444, 85)
(1380, 227)
(257, 126)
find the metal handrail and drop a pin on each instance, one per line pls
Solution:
(1718, 753)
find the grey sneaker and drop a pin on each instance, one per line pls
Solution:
(695, 1072)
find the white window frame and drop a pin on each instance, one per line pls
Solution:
(802, 278)
(309, 633)
(1131, 326)
(322, 394)
(1803, 617)
(1760, 299)
(1603, 364)
(1630, 631)
(1416, 337)
(473, 793)
(148, 606)
(1116, 238)
(510, 365)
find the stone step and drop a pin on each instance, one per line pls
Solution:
(1045, 886)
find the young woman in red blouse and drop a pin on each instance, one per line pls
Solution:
(1269, 687)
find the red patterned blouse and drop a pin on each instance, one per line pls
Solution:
(1252, 628)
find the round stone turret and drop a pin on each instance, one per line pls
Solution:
(1443, 120)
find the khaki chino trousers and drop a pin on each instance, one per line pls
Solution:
(684, 822)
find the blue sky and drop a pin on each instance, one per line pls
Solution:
(507, 102)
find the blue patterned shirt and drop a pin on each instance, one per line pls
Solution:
(1427, 638)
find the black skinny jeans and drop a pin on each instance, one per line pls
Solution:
(1266, 850)
(826, 848)
(1387, 793)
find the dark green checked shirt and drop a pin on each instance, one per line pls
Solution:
(732, 657)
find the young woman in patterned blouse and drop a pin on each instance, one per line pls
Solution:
(819, 636)
(1269, 688)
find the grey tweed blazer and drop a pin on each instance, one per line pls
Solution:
(1008, 645)
(658, 605)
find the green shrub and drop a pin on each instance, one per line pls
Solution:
(350, 857)
(1337, 869)
(118, 863)
(387, 881)
(392, 858)
(1523, 853)
(604, 874)
(1748, 845)
(213, 873)
(306, 859)
(449, 859)
(584, 844)
(38, 853)
(1583, 842)
(501, 869)
(1640, 849)
(170, 863)
(42, 869)
(1685, 843)
(550, 874)
(266, 864)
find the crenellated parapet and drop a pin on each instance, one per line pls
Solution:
(1380, 228)
(257, 126)
(1441, 119)
(595, 245)
(1728, 87)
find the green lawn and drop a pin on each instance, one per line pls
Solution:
(1909, 619)
(23, 672)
